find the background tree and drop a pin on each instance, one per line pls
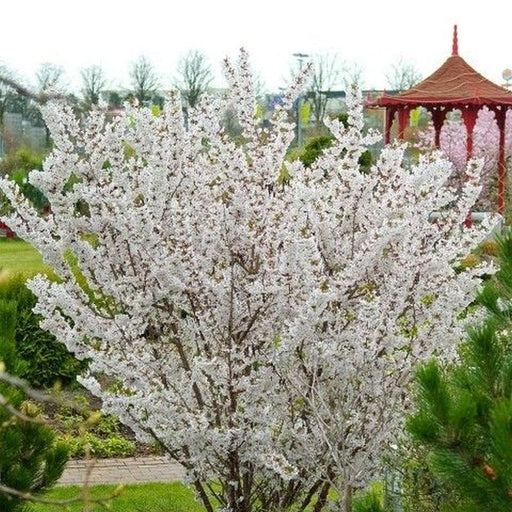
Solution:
(49, 80)
(326, 74)
(10, 101)
(242, 319)
(93, 84)
(8, 96)
(352, 75)
(50, 77)
(144, 80)
(402, 76)
(194, 76)
(114, 99)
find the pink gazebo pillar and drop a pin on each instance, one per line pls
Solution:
(500, 119)
(403, 121)
(390, 116)
(469, 115)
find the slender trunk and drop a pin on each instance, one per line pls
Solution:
(203, 496)
(247, 485)
(347, 498)
(239, 505)
(322, 497)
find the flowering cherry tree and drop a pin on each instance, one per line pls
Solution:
(453, 139)
(262, 332)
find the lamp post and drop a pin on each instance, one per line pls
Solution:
(507, 76)
(300, 59)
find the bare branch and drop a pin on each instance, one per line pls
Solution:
(402, 76)
(39, 97)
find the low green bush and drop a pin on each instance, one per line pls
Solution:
(316, 145)
(23, 158)
(17, 165)
(113, 446)
(313, 149)
(47, 361)
(83, 428)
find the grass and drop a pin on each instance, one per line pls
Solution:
(154, 497)
(151, 497)
(18, 256)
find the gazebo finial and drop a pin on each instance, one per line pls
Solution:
(455, 44)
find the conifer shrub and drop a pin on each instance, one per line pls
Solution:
(46, 360)
(316, 145)
(463, 416)
(31, 460)
(313, 149)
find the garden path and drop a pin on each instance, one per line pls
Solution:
(126, 470)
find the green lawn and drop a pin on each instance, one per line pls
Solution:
(17, 256)
(156, 497)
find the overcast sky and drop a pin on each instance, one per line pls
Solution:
(375, 34)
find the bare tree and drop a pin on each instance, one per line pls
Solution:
(194, 77)
(326, 72)
(352, 75)
(8, 95)
(144, 80)
(50, 77)
(93, 83)
(402, 76)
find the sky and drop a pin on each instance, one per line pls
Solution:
(373, 34)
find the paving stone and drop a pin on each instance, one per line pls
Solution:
(129, 470)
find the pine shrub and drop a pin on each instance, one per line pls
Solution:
(31, 459)
(463, 416)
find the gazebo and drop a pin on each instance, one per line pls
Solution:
(454, 86)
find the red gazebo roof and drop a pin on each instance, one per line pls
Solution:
(454, 83)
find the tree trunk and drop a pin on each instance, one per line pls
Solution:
(347, 499)
(322, 497)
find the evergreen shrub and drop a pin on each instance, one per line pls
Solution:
(46, 360)
(31, 460)
(463, 416)
(316, 145)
